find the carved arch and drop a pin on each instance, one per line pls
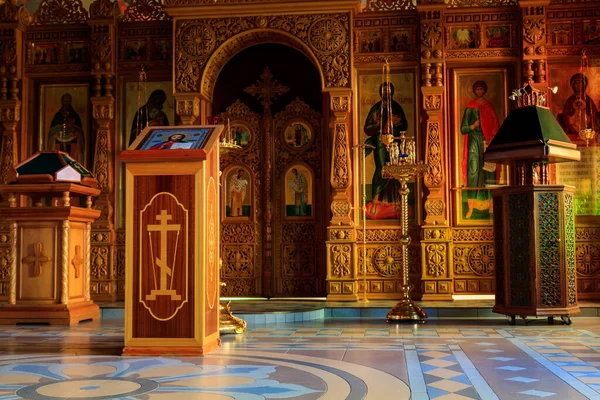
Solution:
(244, 40)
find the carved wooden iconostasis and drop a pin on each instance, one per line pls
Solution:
(295, 88)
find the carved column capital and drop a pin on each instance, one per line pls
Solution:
(103, 108)
(187, 107)
(10, 111)
(340, 103)
(432, 99)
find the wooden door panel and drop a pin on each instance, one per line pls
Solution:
(298, 225)
(241, 233)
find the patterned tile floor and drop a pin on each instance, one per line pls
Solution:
(470, 359)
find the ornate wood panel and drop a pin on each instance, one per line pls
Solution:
(241, 236)
(298, 220)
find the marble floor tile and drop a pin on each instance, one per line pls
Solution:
(482, 359)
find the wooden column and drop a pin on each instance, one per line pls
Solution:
(11, 33)
(533, 22)
(188, 107)
(341, 241)
(104, 277)
(436, 273)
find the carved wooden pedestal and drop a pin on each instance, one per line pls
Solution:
(535, 251)
(50, 251)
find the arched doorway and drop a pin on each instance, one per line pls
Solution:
(274, 190)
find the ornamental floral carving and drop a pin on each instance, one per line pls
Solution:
(534, 30)
(5, 258)
(8, 12)
(188, 107)
(238, 233)
(99, 262)
(473, 235)
(340, 173)
(57, 12)
(340, 104)
(326, 35)
(432, 102)
(587, 233)
(11, 114)
(481, 3)
(389, 5)
(145, 10)
(341, 260)
(101, 48)
(433, 177)
(102, 9)
(431, 33)
(435, 255)
(481, 53)
(103, 111)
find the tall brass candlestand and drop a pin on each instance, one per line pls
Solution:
(405, 309)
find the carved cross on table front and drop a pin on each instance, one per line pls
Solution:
(38, 259)
(77, 261)
(267, 90)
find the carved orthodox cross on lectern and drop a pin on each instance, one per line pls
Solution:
(38, 259)
(164, 227)
(77, 261)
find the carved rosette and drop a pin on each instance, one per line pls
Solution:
(58, 12)
(327, 36)
(476, 259)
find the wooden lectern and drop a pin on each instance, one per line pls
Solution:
(172, 241)
(49, 245)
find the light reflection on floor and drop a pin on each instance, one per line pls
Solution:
(442, 359)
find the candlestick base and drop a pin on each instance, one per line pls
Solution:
(406, 310)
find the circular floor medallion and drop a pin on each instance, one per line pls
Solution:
(88, 388)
